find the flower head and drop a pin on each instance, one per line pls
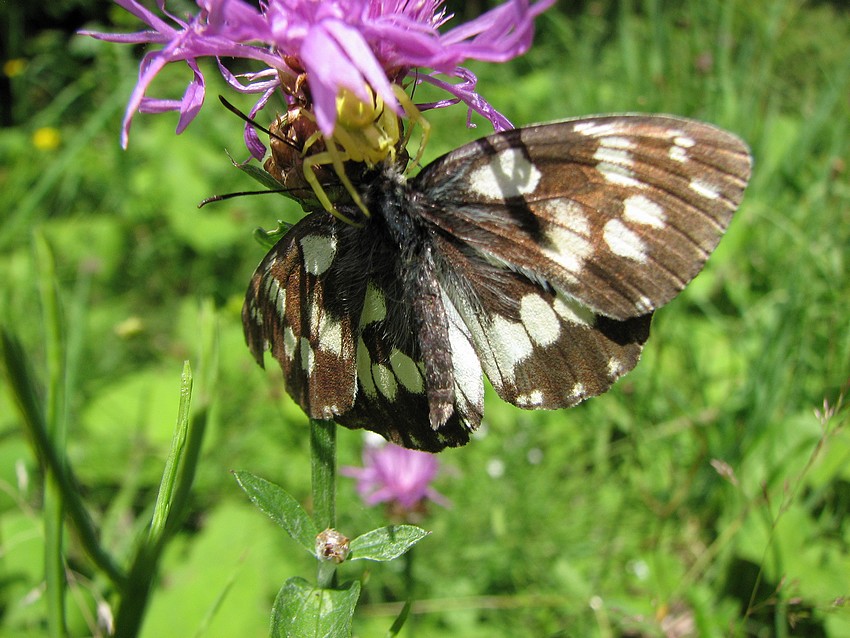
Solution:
(396, 476)
(363, 46)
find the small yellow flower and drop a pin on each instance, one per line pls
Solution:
(46, 138)
(14, 67)
(130, 327)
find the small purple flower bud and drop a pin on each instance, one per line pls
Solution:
(396, 476)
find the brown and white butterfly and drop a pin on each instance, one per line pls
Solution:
(535, 256)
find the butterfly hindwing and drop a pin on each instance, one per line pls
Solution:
(328, 303)
(620, 212)
(392, 392)
(539, 347)
(291, 310)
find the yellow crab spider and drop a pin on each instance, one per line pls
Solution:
(366, 133)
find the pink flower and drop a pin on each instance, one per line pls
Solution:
(359, 45)
(396, 476)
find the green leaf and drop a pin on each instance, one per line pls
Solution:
(168, 485)
(281, 508)
(386, 543)
(398, 623)
(263, 177)
(302, 610)
(268, 238)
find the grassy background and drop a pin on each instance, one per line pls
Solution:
(703, 496)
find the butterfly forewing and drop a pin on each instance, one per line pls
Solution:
(620, 212)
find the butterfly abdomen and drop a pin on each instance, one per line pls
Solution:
(396, 218)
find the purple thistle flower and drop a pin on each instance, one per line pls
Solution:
(396, 476)
(364, 46)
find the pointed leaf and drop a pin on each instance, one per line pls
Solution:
(281, 508)
(260, 175)
(302, 610)
(386, 543)
(398, 623)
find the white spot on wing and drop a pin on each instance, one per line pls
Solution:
(508, 174)
(678, 154)
(624, 241)
(256, 315)
(319, 252)
(566, 248)
(385, 380)
(406, 371)
(568, 214)
(571, 310)
(290, 342)
(530, 400)
(683, 141)
(330, 335)
(364, 369)
(511, 345)
(642, 210)
(308, 357)
(592, 128)
(329, 411)
(619, 175)
(465, 363)
(275, 295)
(315, 307)
(644, 304)
(374, 306)
(617, 142)
(706, 190)
(613, 155)
(539, 319)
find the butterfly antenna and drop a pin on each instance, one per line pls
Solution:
(221, 198)
(415, 82)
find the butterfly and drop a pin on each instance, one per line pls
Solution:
(535, 256)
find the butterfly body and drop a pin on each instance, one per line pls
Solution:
(534, 256)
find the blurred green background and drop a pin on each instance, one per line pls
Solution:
(706, 494)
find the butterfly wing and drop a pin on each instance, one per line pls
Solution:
(293, 310)
(538, 347)
(617, 212)
(568, 235)
(328, 303)
(392, 394)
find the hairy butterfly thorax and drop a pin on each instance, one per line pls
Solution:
(535, 256)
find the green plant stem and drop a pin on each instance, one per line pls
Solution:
(323, 453)
(323, 450)
(410, 588)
